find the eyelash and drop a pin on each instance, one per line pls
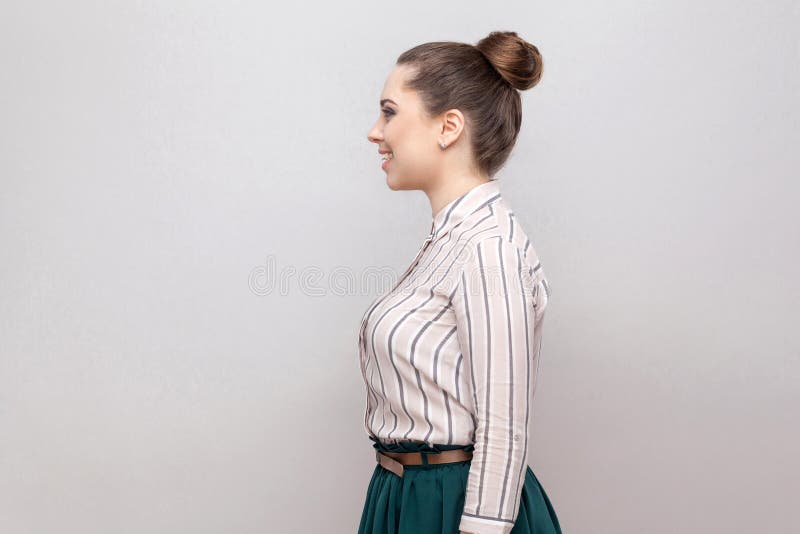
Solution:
(387, 112)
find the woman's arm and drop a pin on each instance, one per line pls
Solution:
(495, 323)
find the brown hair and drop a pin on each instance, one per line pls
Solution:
(483, 81)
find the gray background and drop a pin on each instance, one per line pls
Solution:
(160, 160)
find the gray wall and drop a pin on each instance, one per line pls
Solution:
(159, 160)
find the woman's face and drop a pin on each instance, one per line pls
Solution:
(412, 138)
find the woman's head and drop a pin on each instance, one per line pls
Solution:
(463, 97)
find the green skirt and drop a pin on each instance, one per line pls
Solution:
(429, 499)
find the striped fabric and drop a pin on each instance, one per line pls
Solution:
(450, 354)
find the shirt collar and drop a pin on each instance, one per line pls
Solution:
(457, 210)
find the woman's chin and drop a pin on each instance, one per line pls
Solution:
(391, 183)
(398, 184)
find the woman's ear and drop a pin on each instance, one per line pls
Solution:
(452, 126)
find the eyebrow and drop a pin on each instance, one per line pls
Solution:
(388, 100)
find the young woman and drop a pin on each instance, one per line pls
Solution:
(450, 355)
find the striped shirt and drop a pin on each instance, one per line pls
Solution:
(450, 354)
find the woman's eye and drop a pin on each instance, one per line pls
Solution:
(387, 112)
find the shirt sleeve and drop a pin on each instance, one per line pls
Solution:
(494, 306)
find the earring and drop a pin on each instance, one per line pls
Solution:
(441, 144)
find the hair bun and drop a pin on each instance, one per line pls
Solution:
(518, 61)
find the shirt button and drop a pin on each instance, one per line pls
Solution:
(516, 437)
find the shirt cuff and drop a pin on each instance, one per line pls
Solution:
(484, 525)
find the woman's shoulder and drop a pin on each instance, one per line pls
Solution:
(498, 222)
